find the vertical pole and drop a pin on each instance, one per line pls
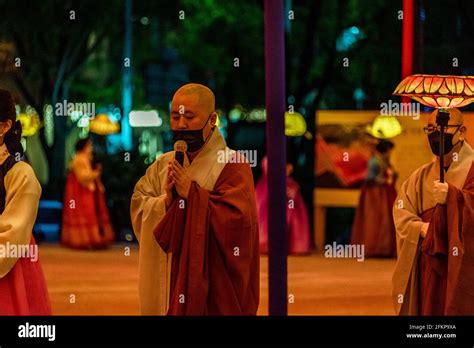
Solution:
(407, 40)
(442, 120)
(127, 86)
(418, 35)
(276, 152)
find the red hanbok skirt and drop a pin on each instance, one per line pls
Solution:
(373, 224)
(86, 222)
(299, 240)
(23, 290)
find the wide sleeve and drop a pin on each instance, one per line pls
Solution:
(408, 228)
(233, 217)
(17, 220)
(148, 204)
(407, 222)
(147, 209)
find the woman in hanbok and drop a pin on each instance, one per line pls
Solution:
(373, 224)
(22, 285)
(299, 239)
(86, 221)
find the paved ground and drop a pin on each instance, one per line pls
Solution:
(105, 283)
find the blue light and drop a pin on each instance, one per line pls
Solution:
(355, 30)
(348, 38)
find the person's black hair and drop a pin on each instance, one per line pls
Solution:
(291, 152)
(384, 146)
(8, 112)
(81, 144)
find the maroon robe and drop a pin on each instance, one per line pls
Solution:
(215, 247)
(446, 262)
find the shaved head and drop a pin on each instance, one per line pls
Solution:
(193, 108)
(198, 97)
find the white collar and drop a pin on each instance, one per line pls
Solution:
(206, 167)
(458, 170)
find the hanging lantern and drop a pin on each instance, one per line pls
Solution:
(442, 92)
(30, 124)
(295, 124)
(438, 91)
(103, 125)
(384, 127)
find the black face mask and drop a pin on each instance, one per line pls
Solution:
(434, 137)
(193, 138)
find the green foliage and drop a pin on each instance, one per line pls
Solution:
(119, 177)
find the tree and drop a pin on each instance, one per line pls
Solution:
(52, 42)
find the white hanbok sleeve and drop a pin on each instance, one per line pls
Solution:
(23, 192)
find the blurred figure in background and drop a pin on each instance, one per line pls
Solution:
(296, 214)
(22, 286)
(373, 224)
(86, 222)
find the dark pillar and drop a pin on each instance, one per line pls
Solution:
(276, 152)
(407, 40)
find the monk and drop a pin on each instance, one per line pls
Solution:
(197, 223)
(434, 222)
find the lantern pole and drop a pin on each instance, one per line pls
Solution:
(442, 119)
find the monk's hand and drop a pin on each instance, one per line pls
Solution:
(440, 191)
(181, 179)
(169, 188)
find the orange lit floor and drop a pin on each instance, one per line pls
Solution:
(105, 283)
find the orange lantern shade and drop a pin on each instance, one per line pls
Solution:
(438, 91)
(102, 125)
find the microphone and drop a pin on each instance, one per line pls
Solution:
(180, 147)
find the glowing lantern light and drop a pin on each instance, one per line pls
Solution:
(102, 125)
(438, 91)
(142, 118)
(295, 124)
(235, 114)
(385, 127)
(48, 124)
(30, 124)
(442, 92)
